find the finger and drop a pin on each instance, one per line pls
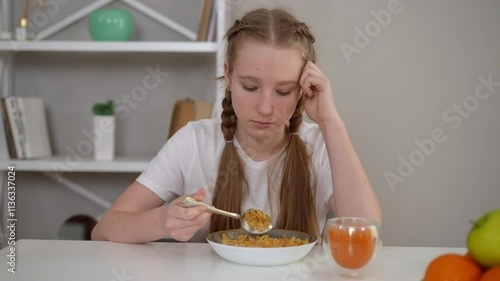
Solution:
(306, 74)
(200, 220)
(311, 72)
(302, 83)
(313, 66)
(175, 224)
(185, 231)
(184, 234)
(200, 194)
(313, 83)
(190, 213)
(177, 210)
(310, 66)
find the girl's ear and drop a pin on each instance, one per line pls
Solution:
(226, 76)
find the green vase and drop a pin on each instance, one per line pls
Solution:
(111, 25)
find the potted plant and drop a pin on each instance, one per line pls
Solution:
(104, 130)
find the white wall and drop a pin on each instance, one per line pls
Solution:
(391, 94)
(395, 91)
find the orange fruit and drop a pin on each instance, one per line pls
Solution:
(352, 248)
(452, 267)
(492, 274)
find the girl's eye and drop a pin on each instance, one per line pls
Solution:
(250, 89)
(283, 93)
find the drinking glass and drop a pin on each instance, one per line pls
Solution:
(351, 245)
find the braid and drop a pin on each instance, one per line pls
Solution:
(298, 189)
(238, 26)
(296, 118)
(303, 30)
(231, 187)
(228, 117)
(307, 38)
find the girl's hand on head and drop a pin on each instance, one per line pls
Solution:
(182, 223)
(317, 94)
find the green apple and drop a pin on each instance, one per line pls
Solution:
(483, 241)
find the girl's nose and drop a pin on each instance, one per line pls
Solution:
(265, 105)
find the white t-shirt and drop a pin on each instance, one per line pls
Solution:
(190, 160)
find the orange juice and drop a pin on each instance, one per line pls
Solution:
(352, 245)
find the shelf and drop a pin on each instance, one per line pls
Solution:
(92, 46)
(58, 164)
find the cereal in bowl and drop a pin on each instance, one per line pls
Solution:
(263, 241)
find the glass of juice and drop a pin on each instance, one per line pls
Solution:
(351, 245)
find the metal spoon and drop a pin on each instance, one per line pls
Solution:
(191, 202)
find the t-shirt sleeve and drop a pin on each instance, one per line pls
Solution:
(165, 173)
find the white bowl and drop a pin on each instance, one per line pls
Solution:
(261, 256)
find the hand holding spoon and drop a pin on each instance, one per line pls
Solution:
(253, 220)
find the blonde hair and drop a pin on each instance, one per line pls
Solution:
(297, 205)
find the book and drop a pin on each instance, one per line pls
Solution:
(212, 26)
(7, 147)
(188, 110)
(16, 126)
(28, 127)
(37, 142)
(206, 12)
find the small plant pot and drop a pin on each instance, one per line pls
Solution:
(104, 138)
(111, 25)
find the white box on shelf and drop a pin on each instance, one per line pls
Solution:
(104, 137)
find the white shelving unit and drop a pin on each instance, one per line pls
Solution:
(89, 46)
(58, 164)
(8, 49)
(121, 164)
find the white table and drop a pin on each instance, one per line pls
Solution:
(53, 260)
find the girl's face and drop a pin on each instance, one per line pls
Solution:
(265, 89)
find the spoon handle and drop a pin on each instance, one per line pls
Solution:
(191, 202)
